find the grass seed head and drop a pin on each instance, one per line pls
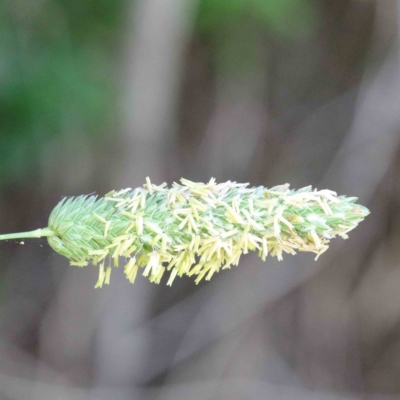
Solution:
(194, 228)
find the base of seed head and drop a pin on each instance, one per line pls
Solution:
(194, 229)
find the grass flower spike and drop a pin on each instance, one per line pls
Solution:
(194, 229)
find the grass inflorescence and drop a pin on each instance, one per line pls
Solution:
(194, 229)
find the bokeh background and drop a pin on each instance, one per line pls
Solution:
(97, 95)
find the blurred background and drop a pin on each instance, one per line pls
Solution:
(97, 95)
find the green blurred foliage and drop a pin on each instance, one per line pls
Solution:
(236, 27)
(59, 57)
(56, 75)
(290, 18)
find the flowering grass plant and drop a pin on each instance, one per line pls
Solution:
(194, 229)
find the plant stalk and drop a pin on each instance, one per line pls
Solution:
(31, 234)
